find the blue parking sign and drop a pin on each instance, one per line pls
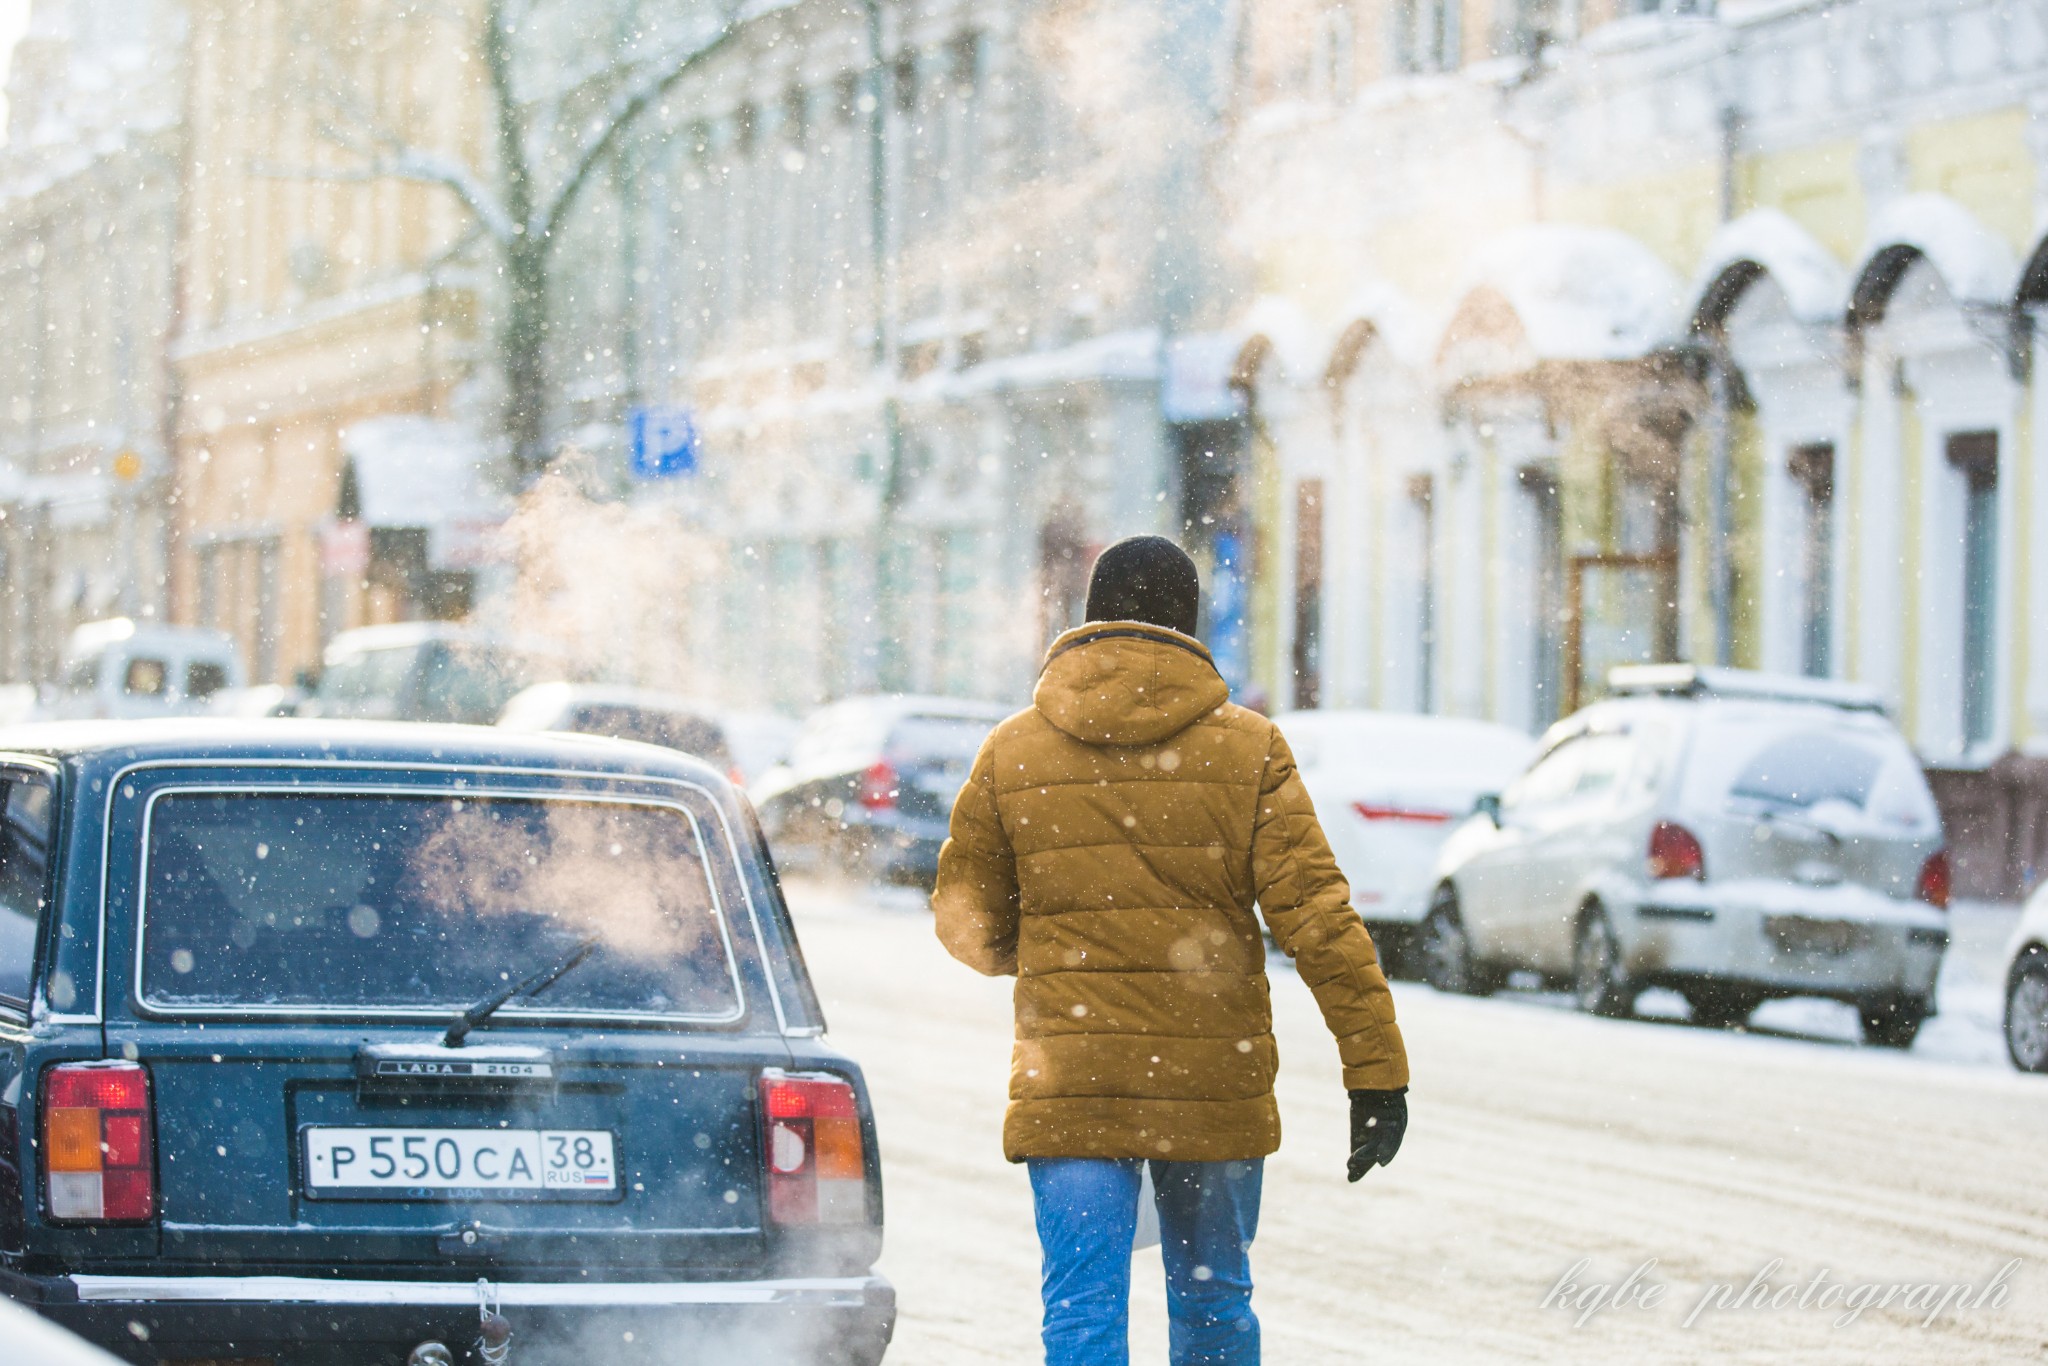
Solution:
(664, 442)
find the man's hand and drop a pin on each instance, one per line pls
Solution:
(1378, 1119)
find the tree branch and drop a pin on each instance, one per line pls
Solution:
(658, 76)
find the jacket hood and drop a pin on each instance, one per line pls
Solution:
(1127, 683)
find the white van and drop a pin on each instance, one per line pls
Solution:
(122, 668)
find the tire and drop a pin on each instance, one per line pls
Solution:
(1445, 950)
(1892, 1023)
(1722, 1007)
(2026, 1013)
(1396, 946)
(1600, 985)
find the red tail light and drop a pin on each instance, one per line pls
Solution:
(879, 786)
(99, 1146)
(812, 1150)
(1937, 880)
(1675, 852)
(1367, 811)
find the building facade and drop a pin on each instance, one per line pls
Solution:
(90, 177)
(1588, 337)
(912, 272)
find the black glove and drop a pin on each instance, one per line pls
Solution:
(1378, 1119)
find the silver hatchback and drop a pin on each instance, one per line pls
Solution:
(1735, 836)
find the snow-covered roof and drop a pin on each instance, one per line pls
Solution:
(1395, 319)
(414, 471)
(1128, 355)
(1199, 368)
(1975, 265)
(1580, 293)
(1814, 284)
(1288, 334)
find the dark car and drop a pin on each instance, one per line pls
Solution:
(320, 1040)
(426, 671)
(869, 786)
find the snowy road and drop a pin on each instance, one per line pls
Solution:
(1539, 1137)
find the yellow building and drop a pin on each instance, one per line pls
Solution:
(1591, 336)
(316, 306)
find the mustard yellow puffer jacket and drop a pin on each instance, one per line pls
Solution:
(1109, 848)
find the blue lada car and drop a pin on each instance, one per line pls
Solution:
(341, 1042)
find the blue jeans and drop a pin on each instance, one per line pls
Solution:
(1087, 1217)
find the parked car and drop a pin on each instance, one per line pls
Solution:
(126, 668)
(1389, 788)
(319, 1036)
(1737, 836)
(741, 744)
(426, 671)
(870, 782)
(2026, 987)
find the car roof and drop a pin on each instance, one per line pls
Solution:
(1367, 721)
(1685, 709)
(400, 635)
(93, 636)
(260, 741)
(611, 695)
(1711, 682)
(894, 705)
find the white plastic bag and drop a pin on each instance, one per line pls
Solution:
(1148, 1211)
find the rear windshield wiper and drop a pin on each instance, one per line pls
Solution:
(469, 1019)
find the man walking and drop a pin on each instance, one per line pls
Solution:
(1108, 849)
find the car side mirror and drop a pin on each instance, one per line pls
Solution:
(1488, 805)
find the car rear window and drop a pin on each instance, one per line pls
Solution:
(329, 901)
(1855, 768)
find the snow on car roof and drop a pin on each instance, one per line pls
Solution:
(1692, 680)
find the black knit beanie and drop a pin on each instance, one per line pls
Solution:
(1149, 579)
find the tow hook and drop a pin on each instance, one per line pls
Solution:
(494, 1334)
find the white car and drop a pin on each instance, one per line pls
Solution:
(1389, 788)
(1735, 836)
(2026, 987)
(123, 668)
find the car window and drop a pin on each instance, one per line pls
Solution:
(1853, 770)
(1604, 760)
(145, 677)
(27, 803)
(204, 678)
(471, 683)
(1551, 780)
(698, 735)
(82, 675)
(346, 901)
(354, 681)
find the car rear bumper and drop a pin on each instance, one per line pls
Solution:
(1844, 942)
(315, 1320)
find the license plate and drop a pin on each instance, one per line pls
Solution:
(344, 1163)
(1796, 934)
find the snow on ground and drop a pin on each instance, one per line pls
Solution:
(1539, 1137)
